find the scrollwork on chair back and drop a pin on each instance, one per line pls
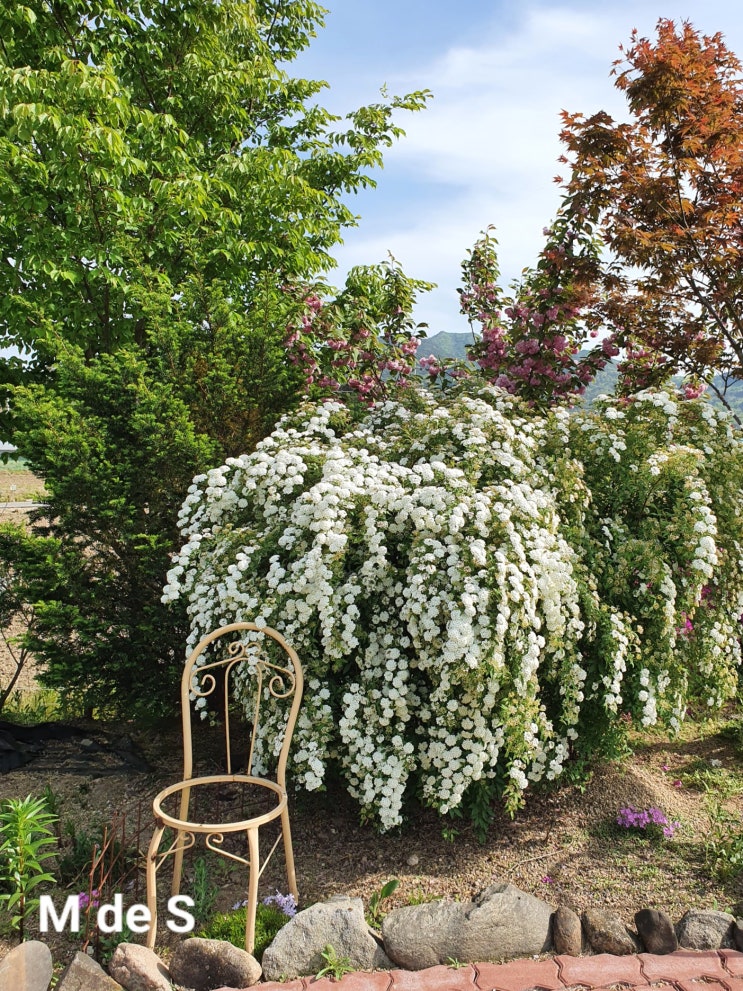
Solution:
(272, 680)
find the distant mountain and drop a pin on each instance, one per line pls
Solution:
(445, 345)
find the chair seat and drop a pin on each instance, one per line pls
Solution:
(193, 784)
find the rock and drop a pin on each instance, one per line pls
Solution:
(607, 934)
(502, 922)
(656, 931)
(84, 974)
(567, 933)
(413, 860)
(420, 936)
(738, 934)
(138, 968)
(206, 964)
(28, 967)
(699, 930)
(297, 949)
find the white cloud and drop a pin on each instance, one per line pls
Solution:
(486, 149)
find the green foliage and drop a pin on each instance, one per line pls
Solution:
(116, 446)
(203, 890)
(168, 185)
(335, 966)
(712, 778)
(106, 943)
(36, 706)
(230, 926)
(723, 848)
(22, 555)
(374, 914)
(733, 731)
(75, 858)
(25, 835)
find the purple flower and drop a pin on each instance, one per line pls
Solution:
(86, 900)
(632, 818)
(286, 903)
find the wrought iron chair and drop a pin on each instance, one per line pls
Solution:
(227, 652)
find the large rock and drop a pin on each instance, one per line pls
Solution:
(297, 949)
(607, 934)
(738, 934)
(567, 932)
(656, 931)
(700, 930)
(420, 936)
(138, 968)
(28, 967)
(206, 964)
(84, 974)
(502, 922)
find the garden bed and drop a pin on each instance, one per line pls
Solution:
(564, 847)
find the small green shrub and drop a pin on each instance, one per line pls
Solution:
(25, 829)
(230, 926)
(30, 708)
(335, 966)
(203, 891)
(374, 913)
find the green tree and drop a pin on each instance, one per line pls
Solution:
(167, 185)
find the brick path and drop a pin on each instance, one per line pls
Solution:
(684, 970)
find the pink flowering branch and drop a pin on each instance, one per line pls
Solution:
(531, 344)
(364, 340)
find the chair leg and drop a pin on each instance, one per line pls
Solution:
(289, 855)
(254, 856)
(178, 856)
(152, 883)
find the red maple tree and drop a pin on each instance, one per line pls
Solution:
(665, 189)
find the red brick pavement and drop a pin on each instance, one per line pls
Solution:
(684, 970)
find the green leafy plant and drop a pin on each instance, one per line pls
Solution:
(106, 943)
(374, 912)
(454, 963)
(26, 834)
(230, 927)
(421, 897)
(335, 966)
(703, 775)
(203, 890)
(723, 848)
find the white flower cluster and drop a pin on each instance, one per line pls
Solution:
(420, 563)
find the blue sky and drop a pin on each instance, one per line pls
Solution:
(485, 151)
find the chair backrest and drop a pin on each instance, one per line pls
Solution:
(226, 657)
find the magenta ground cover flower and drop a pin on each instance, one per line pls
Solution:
(85, 900)
(632, 818)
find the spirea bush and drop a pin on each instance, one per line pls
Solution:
(477, 592)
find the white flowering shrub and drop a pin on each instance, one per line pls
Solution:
(476, 592)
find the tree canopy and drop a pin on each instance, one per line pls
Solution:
(171, 194)
(666, 191)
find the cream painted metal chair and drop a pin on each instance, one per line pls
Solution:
(277, 675)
